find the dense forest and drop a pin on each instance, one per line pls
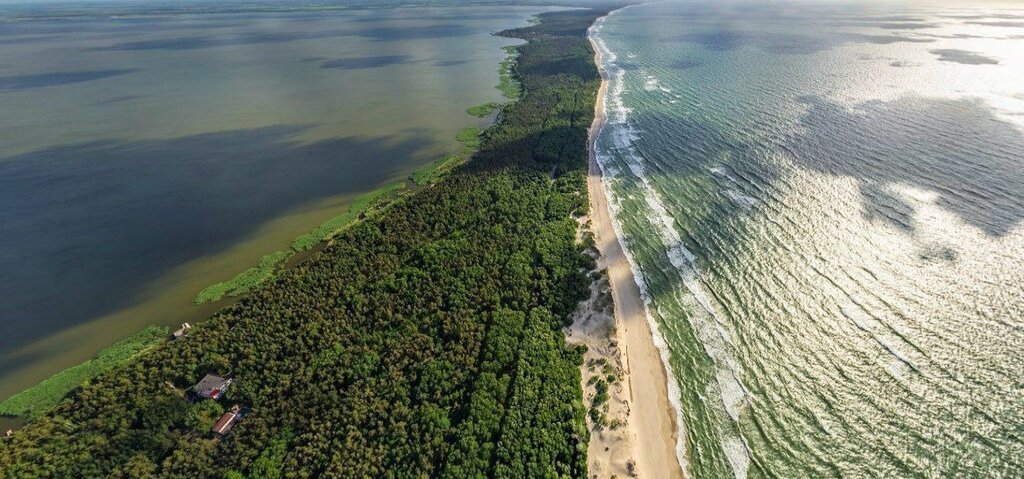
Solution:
(424, 341)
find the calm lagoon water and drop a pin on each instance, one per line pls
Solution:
(824, 205)
(145, 156)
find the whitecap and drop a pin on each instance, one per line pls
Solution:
(704, 319)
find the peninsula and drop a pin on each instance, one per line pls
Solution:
(425, 339)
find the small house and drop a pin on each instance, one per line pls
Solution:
(211, 386)
(183, 330)
(228, 420)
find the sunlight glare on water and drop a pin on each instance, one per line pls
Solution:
(823, 204)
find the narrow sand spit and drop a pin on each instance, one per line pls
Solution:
(644, 441)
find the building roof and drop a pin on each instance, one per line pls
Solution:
(212, 386)
(225, 422)
(182, 330)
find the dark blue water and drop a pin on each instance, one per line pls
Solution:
(148, 151)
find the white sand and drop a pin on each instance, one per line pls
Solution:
(645, 446)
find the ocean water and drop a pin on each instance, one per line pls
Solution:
(823, 205)
(148, 150)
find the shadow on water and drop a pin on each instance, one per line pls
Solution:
(54, 28)
(1006, 24)
(419, 15)
(256, 38)
(449, 63)
(724, 39)
(956, 149)
(362, 63)
(210, 41)
(71, 214)
(19, 40)
(42, 80)
(117, 99)
(416, 33)
(963, 57)
(770, 28)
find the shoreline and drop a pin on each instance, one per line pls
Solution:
(167, 292)
(199, 308)
(495, 388)
(652, 423)
(162, 293)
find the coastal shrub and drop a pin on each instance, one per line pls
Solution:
(436, 170)
(600, 392)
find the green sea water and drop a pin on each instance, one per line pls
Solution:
(823, 207)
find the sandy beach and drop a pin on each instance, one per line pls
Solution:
(647, 444)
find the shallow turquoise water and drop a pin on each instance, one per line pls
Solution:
(823, 206)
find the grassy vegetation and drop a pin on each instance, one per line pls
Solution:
(470, 138)
(506, 75)
(482, 110)
(246, 280)
(436, 170)
(337, 224)
(270, 264)
(48, 393)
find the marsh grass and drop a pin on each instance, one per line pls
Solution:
(506, 77)
(335, 225)
(483, 109)
(269, 264)
(470, 138)
(50, 391)
(246, 280)
(436, 170)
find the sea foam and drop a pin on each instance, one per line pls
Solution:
(705, 321)
(615, 94)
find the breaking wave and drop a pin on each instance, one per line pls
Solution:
(621, 133)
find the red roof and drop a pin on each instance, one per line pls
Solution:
(225, 422)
